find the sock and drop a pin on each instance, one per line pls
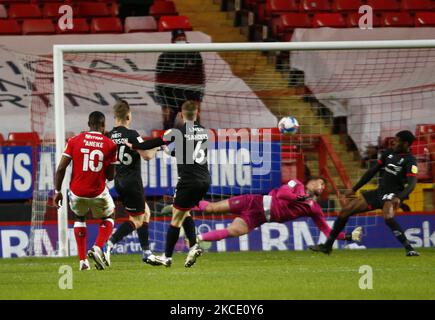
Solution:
(123, 230)
(80, 235)
(189, 230)
(339, 225)
(142, 233)
(104, 232)
(171, 239)
(215, 235)
(398, 233)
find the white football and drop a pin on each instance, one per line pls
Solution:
(288, 125)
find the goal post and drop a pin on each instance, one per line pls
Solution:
(58, 69)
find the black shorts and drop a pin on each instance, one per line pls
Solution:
(376, 198)
(131, 194)
(188, 195)
(174, 97)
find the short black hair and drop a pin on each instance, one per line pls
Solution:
(177, 32)
(310, 178)
(406, 136)
(96, 118)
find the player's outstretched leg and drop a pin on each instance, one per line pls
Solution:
(389, 211)
(353, 207)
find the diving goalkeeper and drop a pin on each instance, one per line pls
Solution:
(289, 202)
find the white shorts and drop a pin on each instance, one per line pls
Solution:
(101, 206)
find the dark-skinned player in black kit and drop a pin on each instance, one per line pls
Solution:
(398, 179)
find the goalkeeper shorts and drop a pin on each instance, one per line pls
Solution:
(250, 208)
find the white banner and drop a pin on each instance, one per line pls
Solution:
(379, 91)
(96, 81)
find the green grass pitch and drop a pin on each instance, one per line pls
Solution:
(238, 275)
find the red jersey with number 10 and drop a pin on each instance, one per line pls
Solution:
(92, 153)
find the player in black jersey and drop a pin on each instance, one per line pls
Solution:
(128, 180)
(193, 181)
(398, 179)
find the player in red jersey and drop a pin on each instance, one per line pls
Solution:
(94, 158)
(289, 202)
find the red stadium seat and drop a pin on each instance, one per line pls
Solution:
(332, 20)
(276, 7)
(22, 11)
(51, 10)
(140, 24)
(163, 8)
(2, 139)
(9, 27)
(295, 20)
(425, 19)
(346, 5)
(106, 25)
(353, 20)
(3, 12)
(38, 26)
(80, 26)
(315, 5)
(414, 5)
(24, 138)
(168, 23)
(397, 19)
(93, 9)
(283, 28)
(384, 5)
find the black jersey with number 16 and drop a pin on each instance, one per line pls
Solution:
(129, 161)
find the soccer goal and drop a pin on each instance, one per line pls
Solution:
(349, 98)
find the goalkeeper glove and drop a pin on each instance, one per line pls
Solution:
(303, 198)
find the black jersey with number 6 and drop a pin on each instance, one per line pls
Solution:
(192, 162)
(129, 161)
